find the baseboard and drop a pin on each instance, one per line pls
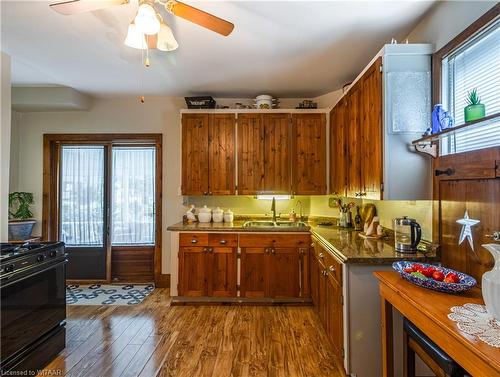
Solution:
(162, 281)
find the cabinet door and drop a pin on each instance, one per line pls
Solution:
(338, 148)
(221, 154)
(277, 137)
(250, 154)
(334, 314)
(254, 272)
(222, 272)
(309, 154)
(192, 271)
(371, 132)
(322, 295)
(314, 274)
(284, 272)
(195, 154)
(354, 141)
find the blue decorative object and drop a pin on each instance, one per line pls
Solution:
(466, 281)
(441, 119)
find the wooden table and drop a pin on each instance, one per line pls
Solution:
(428, 310)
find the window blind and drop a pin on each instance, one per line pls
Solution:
(475, 65)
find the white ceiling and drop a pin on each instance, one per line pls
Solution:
(286, 48)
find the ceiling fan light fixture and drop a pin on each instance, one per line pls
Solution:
(135, 38)
(166, 39)
(146, 19)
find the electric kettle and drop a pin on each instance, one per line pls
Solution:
(407, 235)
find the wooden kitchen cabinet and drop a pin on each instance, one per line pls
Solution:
(356, 138)
(207, 265)
(327, 294)
(371, 132)
(208, 154)
(250, 154)
(277, 154)
(354, 146)
(195, 154)
(272, 266)
(308, 154)
(264, 154)
(338, 148)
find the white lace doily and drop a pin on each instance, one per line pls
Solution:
(473, 319)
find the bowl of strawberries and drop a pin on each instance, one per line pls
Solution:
(434, 277)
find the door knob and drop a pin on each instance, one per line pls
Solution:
(495, 235)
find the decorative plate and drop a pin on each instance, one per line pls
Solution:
(466, 281)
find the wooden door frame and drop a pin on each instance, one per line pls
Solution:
(50, 198)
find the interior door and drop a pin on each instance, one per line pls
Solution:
(83, 219)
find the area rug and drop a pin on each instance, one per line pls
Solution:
(107, 294)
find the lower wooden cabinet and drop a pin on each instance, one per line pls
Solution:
(270, 272)
(327, 294)
(209, 268)
(271, 265)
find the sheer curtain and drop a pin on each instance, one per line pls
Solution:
(133, 196)
(82, 195)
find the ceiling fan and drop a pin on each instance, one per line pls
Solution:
(148, 30)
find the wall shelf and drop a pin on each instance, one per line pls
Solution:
(253, 111)
(429, 144)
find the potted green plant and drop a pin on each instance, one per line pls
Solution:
(21, 220)
(475, 109)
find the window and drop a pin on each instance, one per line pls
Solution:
(474, 64)
(82, 195)
(133, 196)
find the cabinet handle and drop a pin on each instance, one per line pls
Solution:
(210, 249)
(312, 244)
(448, 172)
(320, 255)
(210, 193)
(266, 250)
(331, 268)
(205, 193)
(223, 242)
(205, 249)
(273, 251)
(325, 273)
(194, 241)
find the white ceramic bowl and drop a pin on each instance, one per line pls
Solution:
(204, 217)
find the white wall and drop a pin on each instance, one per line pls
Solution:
(5, 126)
(14, 152)
(446, 20)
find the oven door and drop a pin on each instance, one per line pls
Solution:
(31, 306)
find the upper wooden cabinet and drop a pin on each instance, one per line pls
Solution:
(250, 154)
(208, 154)
(277, 173)
(195, 154)
(386, 108)
(338, 148)
(308, 154)
(264, 153)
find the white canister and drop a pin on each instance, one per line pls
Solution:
(217, 215)
(228, 216)
(204, 215)
(264, 101)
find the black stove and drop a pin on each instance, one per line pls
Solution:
(32, 305)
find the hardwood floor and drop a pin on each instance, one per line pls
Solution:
(156, 339)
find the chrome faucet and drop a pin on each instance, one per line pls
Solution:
(273, 209)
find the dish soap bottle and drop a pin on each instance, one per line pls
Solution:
(358, 223)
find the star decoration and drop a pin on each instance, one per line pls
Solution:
(466, 229)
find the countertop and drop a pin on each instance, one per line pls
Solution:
(344, 243)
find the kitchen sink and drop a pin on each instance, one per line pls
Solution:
(274, 224)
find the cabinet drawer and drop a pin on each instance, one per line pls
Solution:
(277, 240)
(334, 267)
(223, 239)
(193, 239)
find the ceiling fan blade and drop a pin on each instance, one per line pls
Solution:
(79, 6)
(201, 18)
